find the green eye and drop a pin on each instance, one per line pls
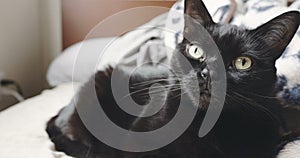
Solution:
(243, 63)
(195, 52)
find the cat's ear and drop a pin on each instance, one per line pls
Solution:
(195, 11)
(278, 32)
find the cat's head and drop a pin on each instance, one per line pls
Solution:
(249, 55)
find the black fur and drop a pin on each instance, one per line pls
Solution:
(250, 126)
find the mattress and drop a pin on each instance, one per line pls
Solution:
(23, 134)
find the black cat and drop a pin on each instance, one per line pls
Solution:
(250, 125)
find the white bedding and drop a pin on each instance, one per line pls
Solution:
(23, 134)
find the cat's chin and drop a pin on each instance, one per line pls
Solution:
(198, 97)
(204, 100)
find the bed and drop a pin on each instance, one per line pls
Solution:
(23, 125)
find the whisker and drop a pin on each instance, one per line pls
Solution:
(155, 87)
(167, 85)
(255, 94)
(258, 106)
(88, 151)
(264, 96)
(171, 90)
(182, 93)
(154, 81)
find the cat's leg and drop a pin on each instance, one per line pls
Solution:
(63, 139)
(289, 138)
(292, 129)
(67, 130)
(69, 133)
(289, 148)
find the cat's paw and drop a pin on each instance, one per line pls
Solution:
(63, 143)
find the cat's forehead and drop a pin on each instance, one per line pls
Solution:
(230, 39)
(226, 31)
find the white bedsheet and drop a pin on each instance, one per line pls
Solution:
(22, 127)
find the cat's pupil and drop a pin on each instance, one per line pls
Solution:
(244, 62)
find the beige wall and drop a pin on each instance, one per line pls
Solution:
(80, 16)
(51, 32)
(30, 37)
(20, 57)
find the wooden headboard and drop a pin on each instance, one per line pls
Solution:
(80, 16)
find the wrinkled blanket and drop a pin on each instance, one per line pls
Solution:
(134, 48)
(250, 14)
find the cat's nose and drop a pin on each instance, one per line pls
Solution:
(204, 79)
(204, 73)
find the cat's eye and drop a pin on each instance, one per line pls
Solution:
(195, 51)
(243, 63)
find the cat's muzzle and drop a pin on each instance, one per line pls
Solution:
(204, 79)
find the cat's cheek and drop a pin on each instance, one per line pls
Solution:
(232, 77)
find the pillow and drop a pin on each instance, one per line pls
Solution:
(61, 69)
(87, 53)
(87, 56)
